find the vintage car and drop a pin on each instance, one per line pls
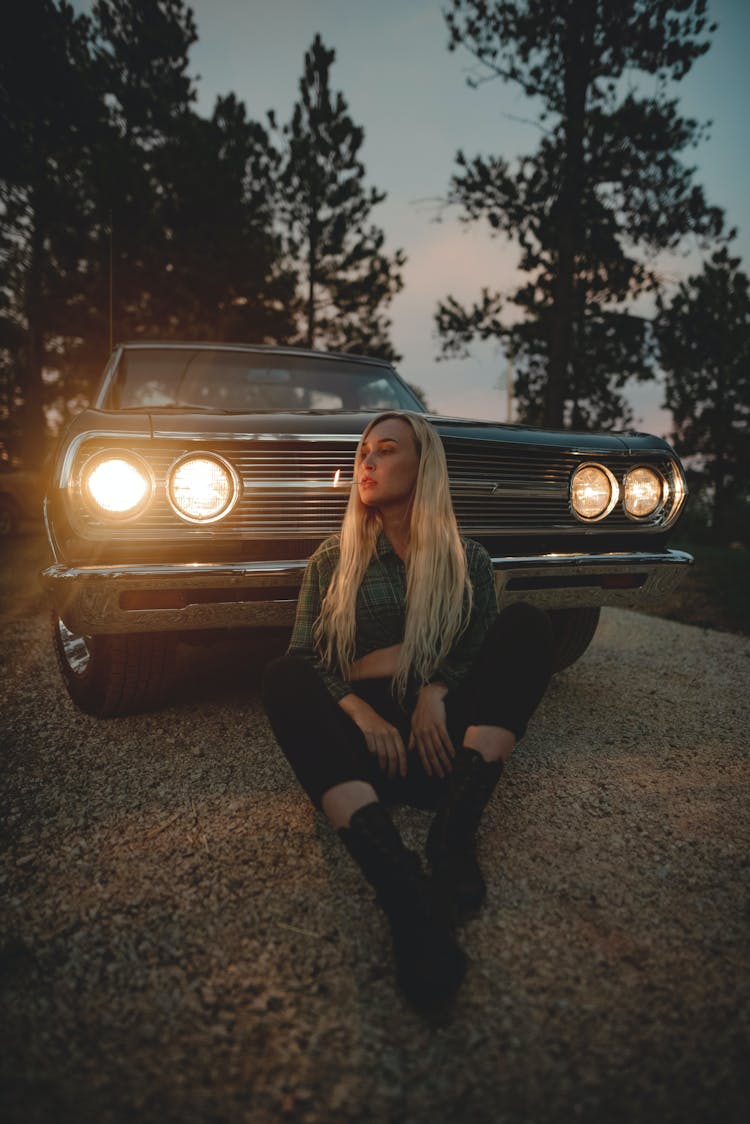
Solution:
(189, 497)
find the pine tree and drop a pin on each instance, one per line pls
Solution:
(48, 132)
(605, 191)
(142, 52)
(221, 276)
(704, 342)
(348, 279)
(115, 195)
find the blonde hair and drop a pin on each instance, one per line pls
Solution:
(438, 590)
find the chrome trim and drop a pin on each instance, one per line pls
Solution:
(261, 348)
(168, 434)
(108, 376)
(51, 536)
(87, 435)
(618, 559)
(320, 484)
(507, 491)
(510, 490)
(184, 573)
(87, 598)
(661, 572)
(74, 649)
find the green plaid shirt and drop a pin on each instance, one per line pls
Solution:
(381, 609)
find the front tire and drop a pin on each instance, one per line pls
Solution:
(572, 632)
(114, 675)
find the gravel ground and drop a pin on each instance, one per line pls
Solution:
(183, 939)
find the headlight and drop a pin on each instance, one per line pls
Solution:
(643, 491)
(116, 483)
(202, 488)
(593, 491)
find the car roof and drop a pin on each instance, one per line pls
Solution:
(272, 349)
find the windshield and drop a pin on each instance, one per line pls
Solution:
(249, 382)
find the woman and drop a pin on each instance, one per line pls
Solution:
(403, 685)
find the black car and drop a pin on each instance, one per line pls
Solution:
(189, 497)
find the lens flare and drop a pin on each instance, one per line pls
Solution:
(116, 486)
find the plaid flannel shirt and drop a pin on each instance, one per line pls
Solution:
(381, 609)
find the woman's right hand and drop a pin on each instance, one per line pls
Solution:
(383, 739)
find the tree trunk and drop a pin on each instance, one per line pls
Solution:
(577, 48)
(717, 508)
(719, 438)
(312, 265)
(311, 312)
(32, 415)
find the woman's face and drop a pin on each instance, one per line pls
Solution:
(388, 464)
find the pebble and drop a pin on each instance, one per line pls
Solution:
(158, 903)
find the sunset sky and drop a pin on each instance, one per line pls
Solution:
(411, 96)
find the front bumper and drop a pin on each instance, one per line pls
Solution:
(95, 600)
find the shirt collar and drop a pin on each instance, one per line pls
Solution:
(383, 546)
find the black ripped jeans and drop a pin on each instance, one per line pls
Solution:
(325, 747)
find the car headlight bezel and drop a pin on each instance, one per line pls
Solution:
(227, 468)
(614, 492)
(113, 456)
(663, 487)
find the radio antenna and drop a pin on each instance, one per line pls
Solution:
(111, 283)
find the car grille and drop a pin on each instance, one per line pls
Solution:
(289, 490)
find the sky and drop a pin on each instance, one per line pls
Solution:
(411, 96)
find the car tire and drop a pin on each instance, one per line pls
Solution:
(114, 675)
(8, 518)
(572, 631)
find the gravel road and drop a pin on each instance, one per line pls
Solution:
(183, 940)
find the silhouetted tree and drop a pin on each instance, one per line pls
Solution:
(221, 277)
(85, 106)
(113, 191)
(704, 342)
(48, 131)
(348, 279)
(142, 52)
(605, 190)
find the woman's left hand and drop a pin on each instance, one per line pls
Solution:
(429, 732)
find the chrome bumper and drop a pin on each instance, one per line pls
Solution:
(191, 596)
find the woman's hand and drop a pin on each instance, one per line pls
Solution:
(429, 732)
(383, 739)
(380, 664)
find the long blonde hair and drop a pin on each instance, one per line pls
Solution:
(438, 590)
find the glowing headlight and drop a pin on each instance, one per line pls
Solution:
(116, 485)
(643, 490)
(593, 492)
(202, 488)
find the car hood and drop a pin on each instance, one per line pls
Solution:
(175, 423)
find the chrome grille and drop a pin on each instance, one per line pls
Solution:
(288, 489)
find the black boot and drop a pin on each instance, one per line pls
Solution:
(450, 842)
(430, 965)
